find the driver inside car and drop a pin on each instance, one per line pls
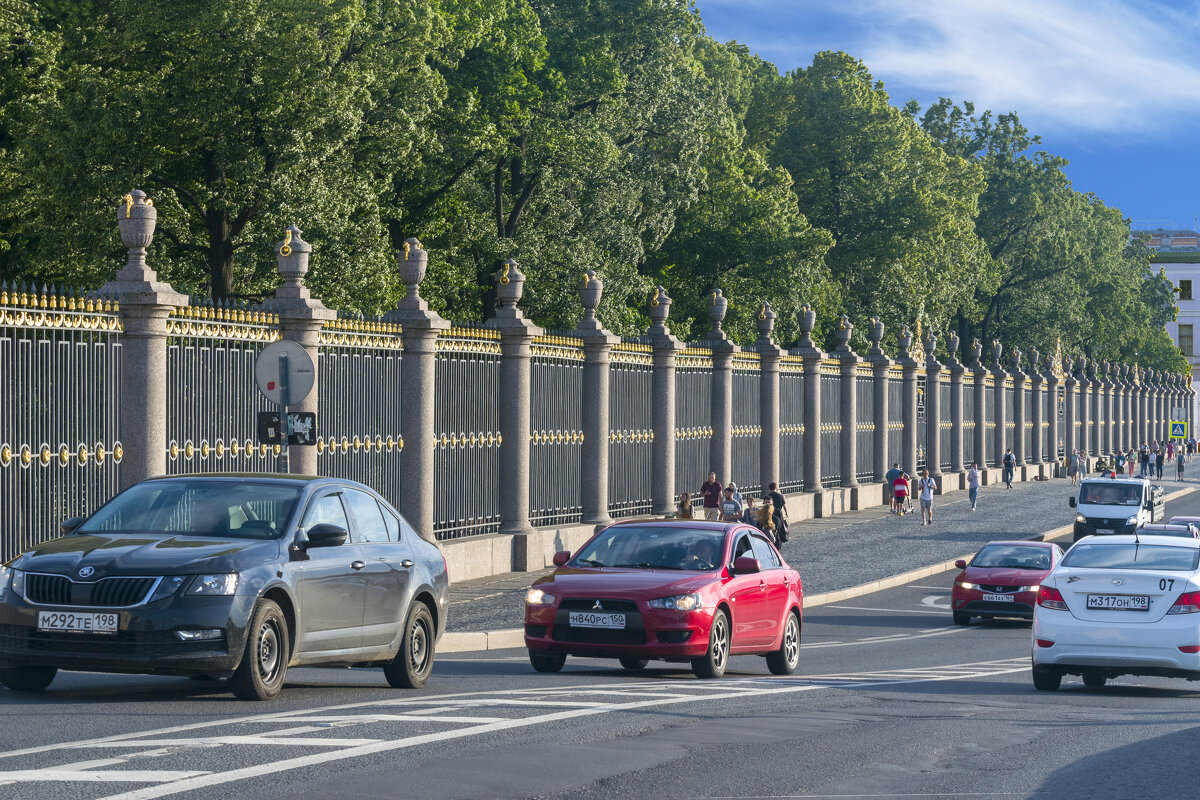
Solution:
(703, 555)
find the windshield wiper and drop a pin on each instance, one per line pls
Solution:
(647, 565)
(591, 562)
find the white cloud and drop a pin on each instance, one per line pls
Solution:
(1092, 64)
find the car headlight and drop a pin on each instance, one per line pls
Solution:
(965, 585)
(1080, 518)
(1034, 588)
(169, 586)
(536, 597)
(214, 585)
(4, 576)
(1132, 520)
(681, 602)
(17, 584)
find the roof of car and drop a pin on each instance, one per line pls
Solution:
(1109, 479)
(1129, 538)
(283, 476)
(680, 523)
(1020, 542)
(1168, 526)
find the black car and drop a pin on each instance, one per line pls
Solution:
(226, 576)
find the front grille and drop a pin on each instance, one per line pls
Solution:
(58, 590)
(18, 640)
(994, 588)
(634, 631)
(992, 607)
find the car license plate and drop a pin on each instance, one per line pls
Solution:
(1118, 602)
(74, 622)
(1103, 531)
(587, 619)
(998, 598)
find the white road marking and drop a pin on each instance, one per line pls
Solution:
(887, 610)
(215, 741)
(935, 588)
(894, 638)
(109, 776)
(932, 601)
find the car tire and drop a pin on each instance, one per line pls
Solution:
(962, 619)
(634, 664)
(785, 660)
(712, 664)
(1094, 680)
(27, 679)
(265, 659)
(413, 663)
(547, 662)
(1046, 680)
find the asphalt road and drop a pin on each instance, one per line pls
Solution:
(891, 700)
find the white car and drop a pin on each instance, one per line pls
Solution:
(1119, 605)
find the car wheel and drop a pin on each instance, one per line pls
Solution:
(962, 619)
(547, 662)
(634, 664)
(1094, 680)
(265, 659)
(411, 667)
(784, 660)
(27, 679)
(712, 664)
(1046, 680)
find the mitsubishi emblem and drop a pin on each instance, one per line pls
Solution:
(1118, 581)
(597, 607)
(86, 572)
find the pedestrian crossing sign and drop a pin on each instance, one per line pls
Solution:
(1178, 430)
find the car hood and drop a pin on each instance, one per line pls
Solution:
(631, 583)
(149, 554)
(1007, 576)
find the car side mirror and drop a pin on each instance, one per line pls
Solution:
(746, 566)
(961, 563)
(68, 526)
(562, 557)
(325, 535)
(1071, 502)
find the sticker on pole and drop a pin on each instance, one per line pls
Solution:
(1178, 429)
(299, 377)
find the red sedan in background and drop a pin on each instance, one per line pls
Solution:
(1002, 580)
(685, 591)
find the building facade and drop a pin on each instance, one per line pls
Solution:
(1177, 252)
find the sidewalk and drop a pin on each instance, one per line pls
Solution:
(832, 554)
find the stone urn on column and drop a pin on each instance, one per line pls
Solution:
(591, 289)
(659, 309)
(717, 306)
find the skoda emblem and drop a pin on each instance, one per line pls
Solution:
(1118, 581)
(597, 607)
(86, 572)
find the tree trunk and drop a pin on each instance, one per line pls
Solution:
(220, 254)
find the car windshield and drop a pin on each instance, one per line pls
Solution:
(653, 547)
(1110, 494)
(198, 507)
(1012, 555)
(1132, 556)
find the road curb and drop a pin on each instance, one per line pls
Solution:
(478, 641)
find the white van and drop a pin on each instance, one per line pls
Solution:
(1115, 505)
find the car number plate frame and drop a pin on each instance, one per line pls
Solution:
(592, 619)
(1118, 602)
(1105, 531)
(997, 598)
(103, 622)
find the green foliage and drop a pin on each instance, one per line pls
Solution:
(610, 135)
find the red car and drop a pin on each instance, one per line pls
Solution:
(1002, 580)
(680, 590)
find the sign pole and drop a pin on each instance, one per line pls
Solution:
(284, 421)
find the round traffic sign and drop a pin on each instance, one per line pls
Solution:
(300, 371)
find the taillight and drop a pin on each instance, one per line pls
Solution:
(1045, 643)
(1188, 603)
(1189, 648)
(1049, 597)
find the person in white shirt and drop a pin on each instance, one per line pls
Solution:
(973, 484)
(925, 489)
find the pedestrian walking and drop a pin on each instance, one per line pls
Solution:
(1143, 460)
(1152, 462)
(750, 512)
(1159, 466)
(711, 492)
(973, 484)
(925, 489)
(888, 479)
(736, 494)
(684, 506)
(779, 512)
(1073, 467)
(766, 521)
(1010, 463)
(900, 491)
(1119, 463)
(1179, 465)
(1131, 460)
(731, 509)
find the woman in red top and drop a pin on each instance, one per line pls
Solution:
(900, 491)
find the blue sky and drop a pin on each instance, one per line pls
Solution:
(1111, 85)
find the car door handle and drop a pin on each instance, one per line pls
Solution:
(406, 563)
(357, 565)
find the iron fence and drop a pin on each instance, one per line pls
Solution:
(921, 421)
(60, 444)
(693, 420)
(791, 423)
(467, 481)
(945, 426)
(864, 443)
(1010, 416)
(747, 430)
(895, 432)
(1027, 423)
(631, 430)
(831, 424)
(556, 439)
(968, 428)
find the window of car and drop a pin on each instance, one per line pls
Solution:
(391, 523)
(742, 548)
(1133, 556)
(651, 547)
(326, 510)
(369, 525)
(765, 554)
(1013, 556)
